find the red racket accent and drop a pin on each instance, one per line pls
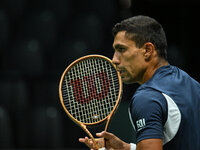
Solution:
(91, 88)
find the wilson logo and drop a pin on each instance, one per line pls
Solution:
(94, 92)
(140, 124)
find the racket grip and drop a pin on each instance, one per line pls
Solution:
(100, 143)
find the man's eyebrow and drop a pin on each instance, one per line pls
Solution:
(118, 46)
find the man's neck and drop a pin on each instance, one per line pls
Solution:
(151, 69)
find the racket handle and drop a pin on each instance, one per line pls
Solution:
(100, 143)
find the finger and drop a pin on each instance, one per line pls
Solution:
(89, 142)
(83, 140)
(105, 135)
(86, 141)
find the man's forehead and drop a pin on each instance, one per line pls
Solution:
(121, 39)
(120, 36)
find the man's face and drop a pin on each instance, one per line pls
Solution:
(128, 59)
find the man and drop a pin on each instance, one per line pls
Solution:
(165, 109)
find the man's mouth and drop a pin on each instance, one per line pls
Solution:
(121, 71)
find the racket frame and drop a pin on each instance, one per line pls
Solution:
(108, 118)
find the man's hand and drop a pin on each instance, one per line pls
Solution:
(111, 142)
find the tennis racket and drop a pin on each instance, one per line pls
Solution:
(90, 90)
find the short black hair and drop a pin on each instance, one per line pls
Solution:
(143, 29)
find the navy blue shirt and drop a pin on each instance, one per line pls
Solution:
(168, 107)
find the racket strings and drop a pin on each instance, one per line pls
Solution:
(90, 90)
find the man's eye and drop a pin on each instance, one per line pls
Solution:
(121, 49)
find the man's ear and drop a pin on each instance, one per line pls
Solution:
(148, 50)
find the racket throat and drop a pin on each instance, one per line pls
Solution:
(95, 141)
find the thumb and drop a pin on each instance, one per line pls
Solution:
(105, 135)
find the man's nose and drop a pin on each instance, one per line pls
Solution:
(116, 59)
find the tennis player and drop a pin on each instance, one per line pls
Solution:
(165, 109)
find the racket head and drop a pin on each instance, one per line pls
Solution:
(90, 89)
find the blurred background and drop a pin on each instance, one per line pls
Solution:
(40, 38)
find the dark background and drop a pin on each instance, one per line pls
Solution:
(40, 38)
